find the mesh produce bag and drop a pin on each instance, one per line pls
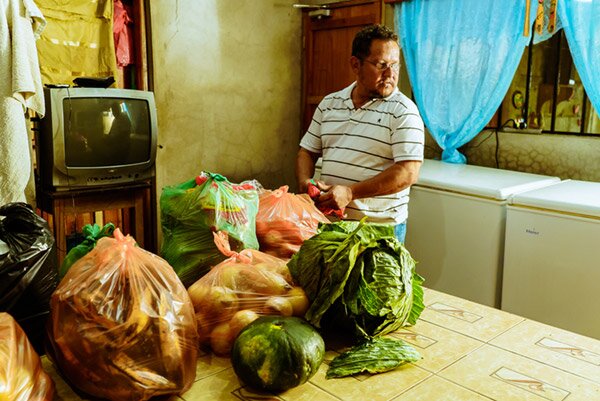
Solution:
(21, 374)
(285, 220)
(238, 290)
(193, 210)
(122, 325)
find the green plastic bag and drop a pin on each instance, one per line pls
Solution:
(193, 210)
(92, 234)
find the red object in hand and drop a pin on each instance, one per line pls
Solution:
(314, 192)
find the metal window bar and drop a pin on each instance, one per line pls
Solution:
(556, 83)
(583, 113)
(525, 108)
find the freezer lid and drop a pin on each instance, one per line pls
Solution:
(570, 196)
(481, 181)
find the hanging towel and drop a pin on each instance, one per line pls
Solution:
(21, 22)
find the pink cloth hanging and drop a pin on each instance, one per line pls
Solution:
(123, 34)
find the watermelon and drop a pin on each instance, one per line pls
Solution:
(276, 353)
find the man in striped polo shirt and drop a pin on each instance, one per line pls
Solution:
(370, 137)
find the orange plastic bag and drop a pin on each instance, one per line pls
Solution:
(240, 289)
(21, 374)
(285, 220)
(122, 325)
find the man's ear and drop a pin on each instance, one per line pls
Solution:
(355, 64)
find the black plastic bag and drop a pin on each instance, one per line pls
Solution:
(28, 271)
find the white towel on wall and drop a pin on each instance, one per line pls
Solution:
(21, 22)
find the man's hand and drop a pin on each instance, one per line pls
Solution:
(314, 188)
(303, 185)
(335, 197)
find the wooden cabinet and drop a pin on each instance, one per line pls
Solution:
(128, 207)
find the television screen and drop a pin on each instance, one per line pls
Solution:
(92, 137)
(106, 131)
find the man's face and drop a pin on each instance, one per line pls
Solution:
(373, 78)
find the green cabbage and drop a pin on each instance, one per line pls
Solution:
(359, 278)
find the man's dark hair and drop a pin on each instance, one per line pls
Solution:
(361, 45)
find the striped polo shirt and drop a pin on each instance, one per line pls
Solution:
(356, 144)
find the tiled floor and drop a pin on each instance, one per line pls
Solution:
(470, 352)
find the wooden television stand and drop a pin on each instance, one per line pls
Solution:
(129, 207)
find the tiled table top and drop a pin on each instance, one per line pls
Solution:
(470, 352)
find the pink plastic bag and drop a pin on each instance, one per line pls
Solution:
(122, 325)
(285, 220)
(240, 289)
(21, 374)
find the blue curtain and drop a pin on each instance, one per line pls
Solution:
(461, 57)
(581, 23)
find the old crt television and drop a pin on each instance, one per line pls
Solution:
(93, 137)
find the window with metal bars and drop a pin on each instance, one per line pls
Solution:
(546, 93)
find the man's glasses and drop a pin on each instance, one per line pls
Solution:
(381, 66)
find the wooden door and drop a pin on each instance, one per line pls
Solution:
(328, 46)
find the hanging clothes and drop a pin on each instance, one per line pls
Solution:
(123, 35)
(78, 41)
(21, 23)
(547, 22)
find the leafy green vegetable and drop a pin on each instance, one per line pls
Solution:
(359, 278)
(375, 356)
(363, 274)
(92, 234)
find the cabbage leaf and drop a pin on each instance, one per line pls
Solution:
(376, 356)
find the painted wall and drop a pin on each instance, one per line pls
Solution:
(227, 81)
(564, 156)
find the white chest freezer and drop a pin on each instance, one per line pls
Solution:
(456, 225)
(552, 256)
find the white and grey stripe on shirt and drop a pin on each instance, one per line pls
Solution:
(357, 144)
